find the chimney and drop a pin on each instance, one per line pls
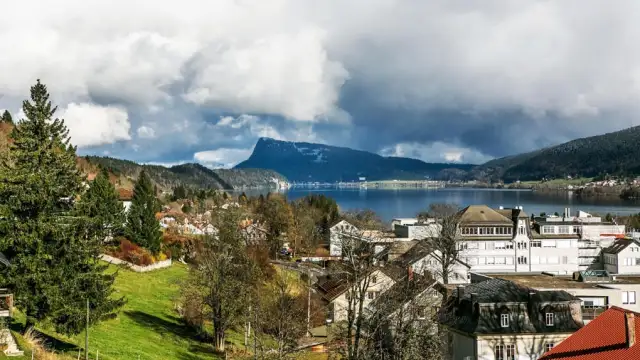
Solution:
(410, 272)
(630, 325)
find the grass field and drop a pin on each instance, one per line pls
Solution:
(146, 328)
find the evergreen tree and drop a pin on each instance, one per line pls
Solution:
(6, 117)
(101, 205)
(142, 226)
(54, 264)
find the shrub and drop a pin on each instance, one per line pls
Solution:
(322, 252)
(132, 253)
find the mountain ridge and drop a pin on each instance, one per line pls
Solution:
(304, 161)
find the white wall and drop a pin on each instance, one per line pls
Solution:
(560, 259)
(629, 260)
(381, 284)
(528, 347)
(458, 274)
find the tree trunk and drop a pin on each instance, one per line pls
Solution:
(219, 339)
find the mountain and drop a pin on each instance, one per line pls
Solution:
(300, 161)
(190, 175)
(615, 153)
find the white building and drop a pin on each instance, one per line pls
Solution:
(505, 240)
(622, 257)
(337, 234)
(421, 259)
(402, 221)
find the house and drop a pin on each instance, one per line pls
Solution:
(417, 231)
(612, 335)
(422, 260)
(336, 236)
(255, 233)
(622, 257)
(499, 319)
(209, 230)
(402, 221)
(125, 196)
(597, 289)
(334, 290)
(494, 240)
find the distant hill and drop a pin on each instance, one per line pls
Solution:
(190, 175)
(300, 161)
(616, 153)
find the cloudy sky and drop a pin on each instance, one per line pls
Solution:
(201, 80)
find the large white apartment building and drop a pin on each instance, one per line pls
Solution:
(506, 240)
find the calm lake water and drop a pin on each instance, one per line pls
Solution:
(407, 203)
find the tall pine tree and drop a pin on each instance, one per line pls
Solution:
(142, 226)
(6, 117)
(101, 205)
(54, 264)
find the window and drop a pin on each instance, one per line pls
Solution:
(564, 229)
(499, 351)
(548, 243)
(628, 297)
(548, 347)
(628, 261)
(522, 260)
(576, 229)
(371, 295)
(421, 313)
(491, 260)
(522, 246)
(499, 245)
(511, 352)
(509, 245)
(501, 260)
(374, 279)
(522, 230)
(548, 319)
(548, 230)
(536, 244)
(565, 259)
(504, 320)
(462, 245)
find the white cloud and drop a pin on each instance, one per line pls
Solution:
(222, 158)
(568, 64)
(436, 152)
(93, 125)
(146, 132)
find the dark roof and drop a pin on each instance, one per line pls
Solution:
(604, 338)
(480, 309)
(502, 291)
(402, 292)
(332, 286)
(416, 253)
(618, 246)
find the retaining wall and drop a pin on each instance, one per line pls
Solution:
(137, 268)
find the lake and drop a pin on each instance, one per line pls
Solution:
(389, 204)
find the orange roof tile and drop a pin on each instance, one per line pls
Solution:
(602, 339)
(125, 194)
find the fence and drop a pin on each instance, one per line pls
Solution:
(137, 268)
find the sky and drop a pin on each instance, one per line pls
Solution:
(169, 82)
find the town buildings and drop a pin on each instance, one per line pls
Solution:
(499, 320)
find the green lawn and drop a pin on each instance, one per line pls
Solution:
(147, 327)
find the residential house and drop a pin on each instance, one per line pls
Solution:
(622, 257)
(125, 196)
(418, 231)
(499, 320)
(597, 289)
(334, 289)
(337, 234)
(255, 233)
(424, 260)
(402, 221)
(612, 335)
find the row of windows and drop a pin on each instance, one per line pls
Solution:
(561, 229)
(508, 351)
(628, 297)
(487, 230)
(631, 261)
(521, 260)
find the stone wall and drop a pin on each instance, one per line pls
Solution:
(136, 268)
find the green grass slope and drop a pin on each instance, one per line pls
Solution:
(146, 328)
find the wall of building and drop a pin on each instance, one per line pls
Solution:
(461, 347)
(558, 256)
(628, 260)
(458, 274)
(381, 284)
(528, 347)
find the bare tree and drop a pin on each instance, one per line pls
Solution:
(445, 238)
(222, 275)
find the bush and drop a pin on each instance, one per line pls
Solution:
(132, 253)
(322, 252)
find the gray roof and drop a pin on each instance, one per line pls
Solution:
(482, 214)
(619, 245)
(526, 308)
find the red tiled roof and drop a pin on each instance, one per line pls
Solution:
(125, 194)
(602, 339)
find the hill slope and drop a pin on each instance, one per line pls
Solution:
(190, 175)
(612, 153)
(300, 161)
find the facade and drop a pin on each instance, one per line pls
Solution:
(334, 291)
(417, 231)
(336, 235)
(499, 320)
(613, 335)
(402, 221)
(597, 289)
(506, 240)
(622, 257)
(423, 260)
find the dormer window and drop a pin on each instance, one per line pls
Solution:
(504, 320)
(548, 319)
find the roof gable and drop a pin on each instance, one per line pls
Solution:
(619, 245)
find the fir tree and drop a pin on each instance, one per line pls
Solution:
(142, 226)
(54, 264)
(101, 205)
(6, 117)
